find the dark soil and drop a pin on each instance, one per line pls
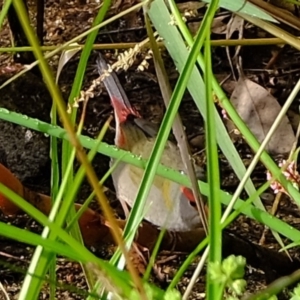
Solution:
(28, 95)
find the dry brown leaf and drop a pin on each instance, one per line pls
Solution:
(294, 119)
(226, 82)
(190, 5)
(258, 108)
(219, 25)
(65, 58)
(236, 24)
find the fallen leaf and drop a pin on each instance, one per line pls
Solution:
(190, 5)
(65, 58)
(235, 24)
(10, 181)
(259, 109)
(219, 24)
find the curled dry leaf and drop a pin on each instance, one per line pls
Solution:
(190, 5)
(218, 26)
(91, 224)
(236, 24)
(8, 179)
(65, 58)
(259, 109)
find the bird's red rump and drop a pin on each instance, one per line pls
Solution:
(188, 193)
(121, 140)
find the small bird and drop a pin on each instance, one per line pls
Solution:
(168, 204)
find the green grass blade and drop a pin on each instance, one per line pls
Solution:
(4, 11)
(246, 7)
(77, 84)
(163, 134)
(215, 232)
(175, 176)
(177, 49)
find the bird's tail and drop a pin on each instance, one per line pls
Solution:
(117, 94)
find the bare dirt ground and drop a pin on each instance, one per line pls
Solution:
(65, 21)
